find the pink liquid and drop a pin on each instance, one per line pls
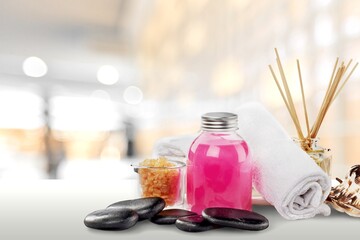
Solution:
(219, 172)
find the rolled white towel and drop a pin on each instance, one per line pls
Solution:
(283, 173)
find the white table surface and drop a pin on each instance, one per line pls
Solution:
(55, 209)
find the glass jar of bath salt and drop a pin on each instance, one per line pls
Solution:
(321, 156)
(162, 177)
(219, 168)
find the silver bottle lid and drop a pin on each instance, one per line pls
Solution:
(219, 121)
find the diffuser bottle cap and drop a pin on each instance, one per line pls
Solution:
(219, 121)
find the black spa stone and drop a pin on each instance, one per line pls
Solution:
(170, 216)
(144, 207)
(236, 218)
(111, 219)
(194, 223)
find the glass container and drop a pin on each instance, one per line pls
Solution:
(166, 182)
(322, 156)
(219, 168)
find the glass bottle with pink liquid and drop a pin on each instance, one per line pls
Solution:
(219, 166)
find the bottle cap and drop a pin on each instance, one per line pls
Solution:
(219, 121)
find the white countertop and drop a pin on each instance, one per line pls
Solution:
(55, 209)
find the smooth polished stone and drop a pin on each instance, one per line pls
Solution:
(170, 216)
(111, 219)
(144, 207)
(236, 218)
(194, 224)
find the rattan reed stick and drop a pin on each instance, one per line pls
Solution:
(288, 95)
(327, 101)
(303, 98)
(283, 97)
(333, 90)
(346, 80)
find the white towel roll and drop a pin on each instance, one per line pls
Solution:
(283, 173)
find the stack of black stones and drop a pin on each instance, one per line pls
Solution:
(125, 214)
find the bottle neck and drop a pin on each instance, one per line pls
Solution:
(219, 131)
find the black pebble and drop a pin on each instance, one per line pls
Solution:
(170, 216)
(144, 207)
(111, 219)
(195, 224)
(236, 218)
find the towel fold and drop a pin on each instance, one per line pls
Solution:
(177, 146)
(283, 173)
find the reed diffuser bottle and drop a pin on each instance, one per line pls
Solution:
(308, 141)
(219, 170)
(321, 156)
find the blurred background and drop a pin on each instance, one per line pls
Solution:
(87, 87)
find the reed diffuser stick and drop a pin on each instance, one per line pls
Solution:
(333, 90)
(331, 80)
(303, 97)
(280, 90)
(346, 80)
(348, 65)
(334, 69)
(283, 97)
(327, 90)
(288, 94)
(327, 101)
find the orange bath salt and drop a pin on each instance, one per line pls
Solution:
(157, 180)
